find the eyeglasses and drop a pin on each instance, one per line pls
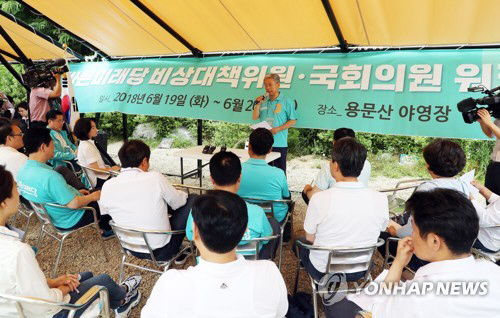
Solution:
(20, 134)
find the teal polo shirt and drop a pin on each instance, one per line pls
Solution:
(281, 110)
(258, 225)
(37, 182)
(262, 181)
(61, 153)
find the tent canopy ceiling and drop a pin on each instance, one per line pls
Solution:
(33, 45)
(124, 28)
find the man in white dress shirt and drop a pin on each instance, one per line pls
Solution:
(324, 180)
(143, 199)
(347, 215)
(445, 225)
(222, 284)
(11, 139)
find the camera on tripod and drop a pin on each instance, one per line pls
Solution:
(468, 107)
(43, 74)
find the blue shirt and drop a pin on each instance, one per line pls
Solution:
(258, 225)
(66, 152)
(262, 181)
(37, 182)
(279, 111)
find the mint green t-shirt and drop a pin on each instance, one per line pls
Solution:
(37, 182)
(262, 181)
(279, 111)
(258, 225)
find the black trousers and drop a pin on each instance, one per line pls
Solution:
(492, 178)
(281, 161)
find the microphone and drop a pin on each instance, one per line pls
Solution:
(263, 98)
(57, 62)
(466, 105)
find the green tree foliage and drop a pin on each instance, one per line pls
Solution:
(10, 86)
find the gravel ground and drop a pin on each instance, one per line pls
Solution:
(82, 251)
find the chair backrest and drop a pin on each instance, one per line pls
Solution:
(86, 170)
(269, 205)
(41, 212)
(136, 240)
(347, 259)
(249, 248)
(19, 303)
(189, 188)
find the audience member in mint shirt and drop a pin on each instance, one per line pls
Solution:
(279, 112)
(40, 184)
(64, 149)
(260, 180)
(225, 174)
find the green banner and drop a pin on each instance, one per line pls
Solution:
(402, 93)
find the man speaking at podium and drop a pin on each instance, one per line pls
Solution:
(279, 112)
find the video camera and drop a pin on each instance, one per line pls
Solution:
(42, 74)
(468, 107)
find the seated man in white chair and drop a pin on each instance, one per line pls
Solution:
(488, 239)
(348, 215)
(324, 180)
(445, 225)
(143, 199)
(223, 284)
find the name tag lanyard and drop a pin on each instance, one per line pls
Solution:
(270, 118)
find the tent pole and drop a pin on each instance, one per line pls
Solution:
(8, 39)
(12, 70)
(125, 127)
(196, 52)
(200, 142)
(12, 56)
(335, 25)
(23, 59)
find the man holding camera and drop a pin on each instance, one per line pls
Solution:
(491, 128)
(39, 98)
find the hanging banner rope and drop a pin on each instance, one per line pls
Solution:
(402, 93)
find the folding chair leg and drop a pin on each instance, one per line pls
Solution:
(315, 298)
(102, 242)
(297, 273)
(281, 250)
(40, 236)
(26, 227)
(122, 267)
(58, 256)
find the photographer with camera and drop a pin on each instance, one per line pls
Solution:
(491, 128)
(39, 98)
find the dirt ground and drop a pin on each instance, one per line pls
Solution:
(76, 258)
